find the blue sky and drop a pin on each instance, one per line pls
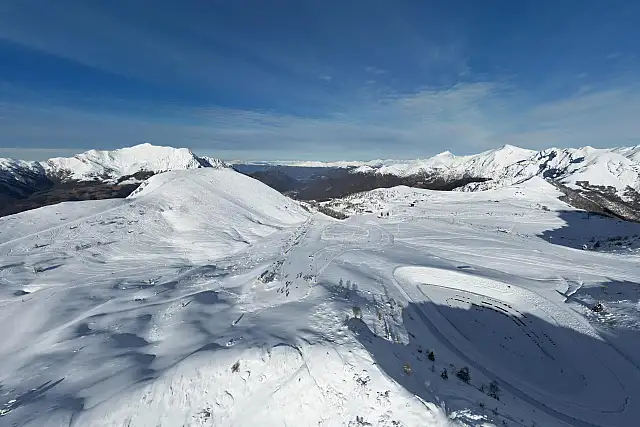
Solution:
(324, 80)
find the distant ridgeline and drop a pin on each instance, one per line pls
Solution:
(606, 181)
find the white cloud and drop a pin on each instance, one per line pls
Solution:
(465, 118)
(375, 70)
(598, 118)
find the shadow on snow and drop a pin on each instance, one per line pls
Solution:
(522, 350)
(592, 231)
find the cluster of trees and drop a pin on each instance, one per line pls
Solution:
(329, 212)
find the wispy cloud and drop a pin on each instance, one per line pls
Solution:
(464, 118)
(374, 70)
(606, 117)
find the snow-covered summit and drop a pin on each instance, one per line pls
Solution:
(95, 164)
(616, 167)
(214, 162)
(483, 164)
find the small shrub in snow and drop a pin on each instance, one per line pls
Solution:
(464, 374)
(494, 390)
(444, 374)
(407, 368)
(205, 414)
(431, 356)
(359, 422)
(357, 312)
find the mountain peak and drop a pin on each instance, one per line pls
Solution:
(446, 153)
(126, 161)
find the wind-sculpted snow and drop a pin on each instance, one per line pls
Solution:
(207, 298)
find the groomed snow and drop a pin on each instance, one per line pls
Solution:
(207, 298)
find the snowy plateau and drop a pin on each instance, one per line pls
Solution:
(206, 298)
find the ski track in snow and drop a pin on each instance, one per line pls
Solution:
(136, 314)
(479, 292)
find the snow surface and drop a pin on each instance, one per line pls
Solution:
(206, 298)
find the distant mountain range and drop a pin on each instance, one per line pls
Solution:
(618, 168)
(585, 172)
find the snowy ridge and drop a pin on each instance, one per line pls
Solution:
(103, 165)
(20, 170)
(616, 167)
(448, 165)
(94, 170)
(18, 177)
(235, 210)
(214, 162)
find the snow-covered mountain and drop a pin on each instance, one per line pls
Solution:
(618, 168)
(19, 178)
(90, 175)
(206, 298)
(107, 166)
(446, 164)
(111, 165)
(612, 173)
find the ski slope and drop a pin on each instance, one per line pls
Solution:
(206, 298)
